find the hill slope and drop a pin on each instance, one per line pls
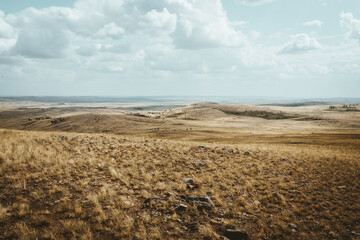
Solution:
(92, 186)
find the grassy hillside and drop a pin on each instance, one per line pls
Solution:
(103, 186)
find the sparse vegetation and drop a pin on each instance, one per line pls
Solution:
(92, 186)
(261, 114)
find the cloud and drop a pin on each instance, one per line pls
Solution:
(42, 33)
(189, 24)
(10, 60)
(110, 30)
(300, 43)
(137, 17)
(163, 20)
(8, 34)
(117, 48)
(254, 2)
(44, 43)
(313, 23)
(93, 49)
(348, 21)
(6, 30)
(88, 50)
(205, 25)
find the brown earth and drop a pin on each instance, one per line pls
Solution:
(274, 172)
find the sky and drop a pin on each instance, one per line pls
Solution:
(270, 48)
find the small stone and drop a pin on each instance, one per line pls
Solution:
(219, 220)
(188, 181)
(148, 200)
(202, 205)
(277, 195)
(247, 153)
(236, 234)
(341, 187)
(181, 207)
(46, 212)
(202, 202)
(292, 225)
(228, 150)
(170, 194)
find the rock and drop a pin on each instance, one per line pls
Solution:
(148, 200)
(181, 207)
(236, 234)
(277, 195)
(202, 147)
(247, 154)
(200, 163)
(170, 194)
(202, 205)
(292, 225)
(63, 137)
(190, 183)
(228, 150)
(341, 187)
(188, 180)
(332, 234)
(201, 202)
(203, 199)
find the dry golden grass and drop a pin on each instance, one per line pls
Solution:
(93, 186)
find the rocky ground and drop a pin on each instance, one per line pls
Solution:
(103, 186)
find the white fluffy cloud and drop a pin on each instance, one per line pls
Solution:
(316, 23)
(254, 2)
(42, 33)
(300, 43)
(110, 30)
(6, 30)
(205, 25)
(117, 45)
(348, 21)
(48, 32)
(8, 34)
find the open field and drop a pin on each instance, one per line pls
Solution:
(197, 172)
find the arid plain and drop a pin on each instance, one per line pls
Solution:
(179, 171)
